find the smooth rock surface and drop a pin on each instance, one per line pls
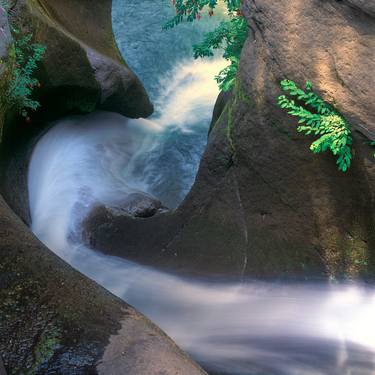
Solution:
(82, 70)
(263, 204)
(367, 6)
(329, 42)
(5, 36)
(100, 217)
(54, 320)
(44, 330)
(82, 58)
(139, 205)
(138, 350)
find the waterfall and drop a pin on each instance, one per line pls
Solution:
(248, 328)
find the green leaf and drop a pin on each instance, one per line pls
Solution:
(327, 123)
(229, 36)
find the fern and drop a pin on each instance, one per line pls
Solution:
(190, 10)
(24, 56)
(321, 119)
(27, 55)
(229, 35)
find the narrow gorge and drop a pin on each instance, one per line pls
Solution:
(137, 187)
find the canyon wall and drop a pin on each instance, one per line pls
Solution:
(82, 70)
(52, 318)
(263, 204)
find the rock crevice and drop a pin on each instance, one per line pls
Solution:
(296, 206)
(53, 320)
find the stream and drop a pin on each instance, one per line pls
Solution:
(244, 328)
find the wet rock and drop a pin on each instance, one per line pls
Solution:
(138, 205)
(363, 5)
(137, 350)
(43, 330)
(5, 37)
(98, 223)
(220, 104)
(263, 204)
(82, 68)
(53, 320)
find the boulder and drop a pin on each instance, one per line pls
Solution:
(263, 205)
(82, 70)
(98, 222)
(54, 320)
(137, 204)
(219, 107)
(329, 43)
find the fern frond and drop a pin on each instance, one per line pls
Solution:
(320, 119)
(27, 55)
(229, 35)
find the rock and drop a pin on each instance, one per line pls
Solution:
(82, 68)
(2, 368)
(333, 42)
(53, 320)
(44, 330)
(138, 205)
(5, 38)
(220, 104)
(364, 6)
(263, 204)
(138, 350)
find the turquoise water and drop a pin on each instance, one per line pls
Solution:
(182, 89)
(247, 328)
(151, 52)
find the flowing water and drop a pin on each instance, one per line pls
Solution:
(247, 328)
(183, 91)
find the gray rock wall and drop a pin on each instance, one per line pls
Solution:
(53, 320)
(5, 36)
(263, 204)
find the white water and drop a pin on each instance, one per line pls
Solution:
(247, 328)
